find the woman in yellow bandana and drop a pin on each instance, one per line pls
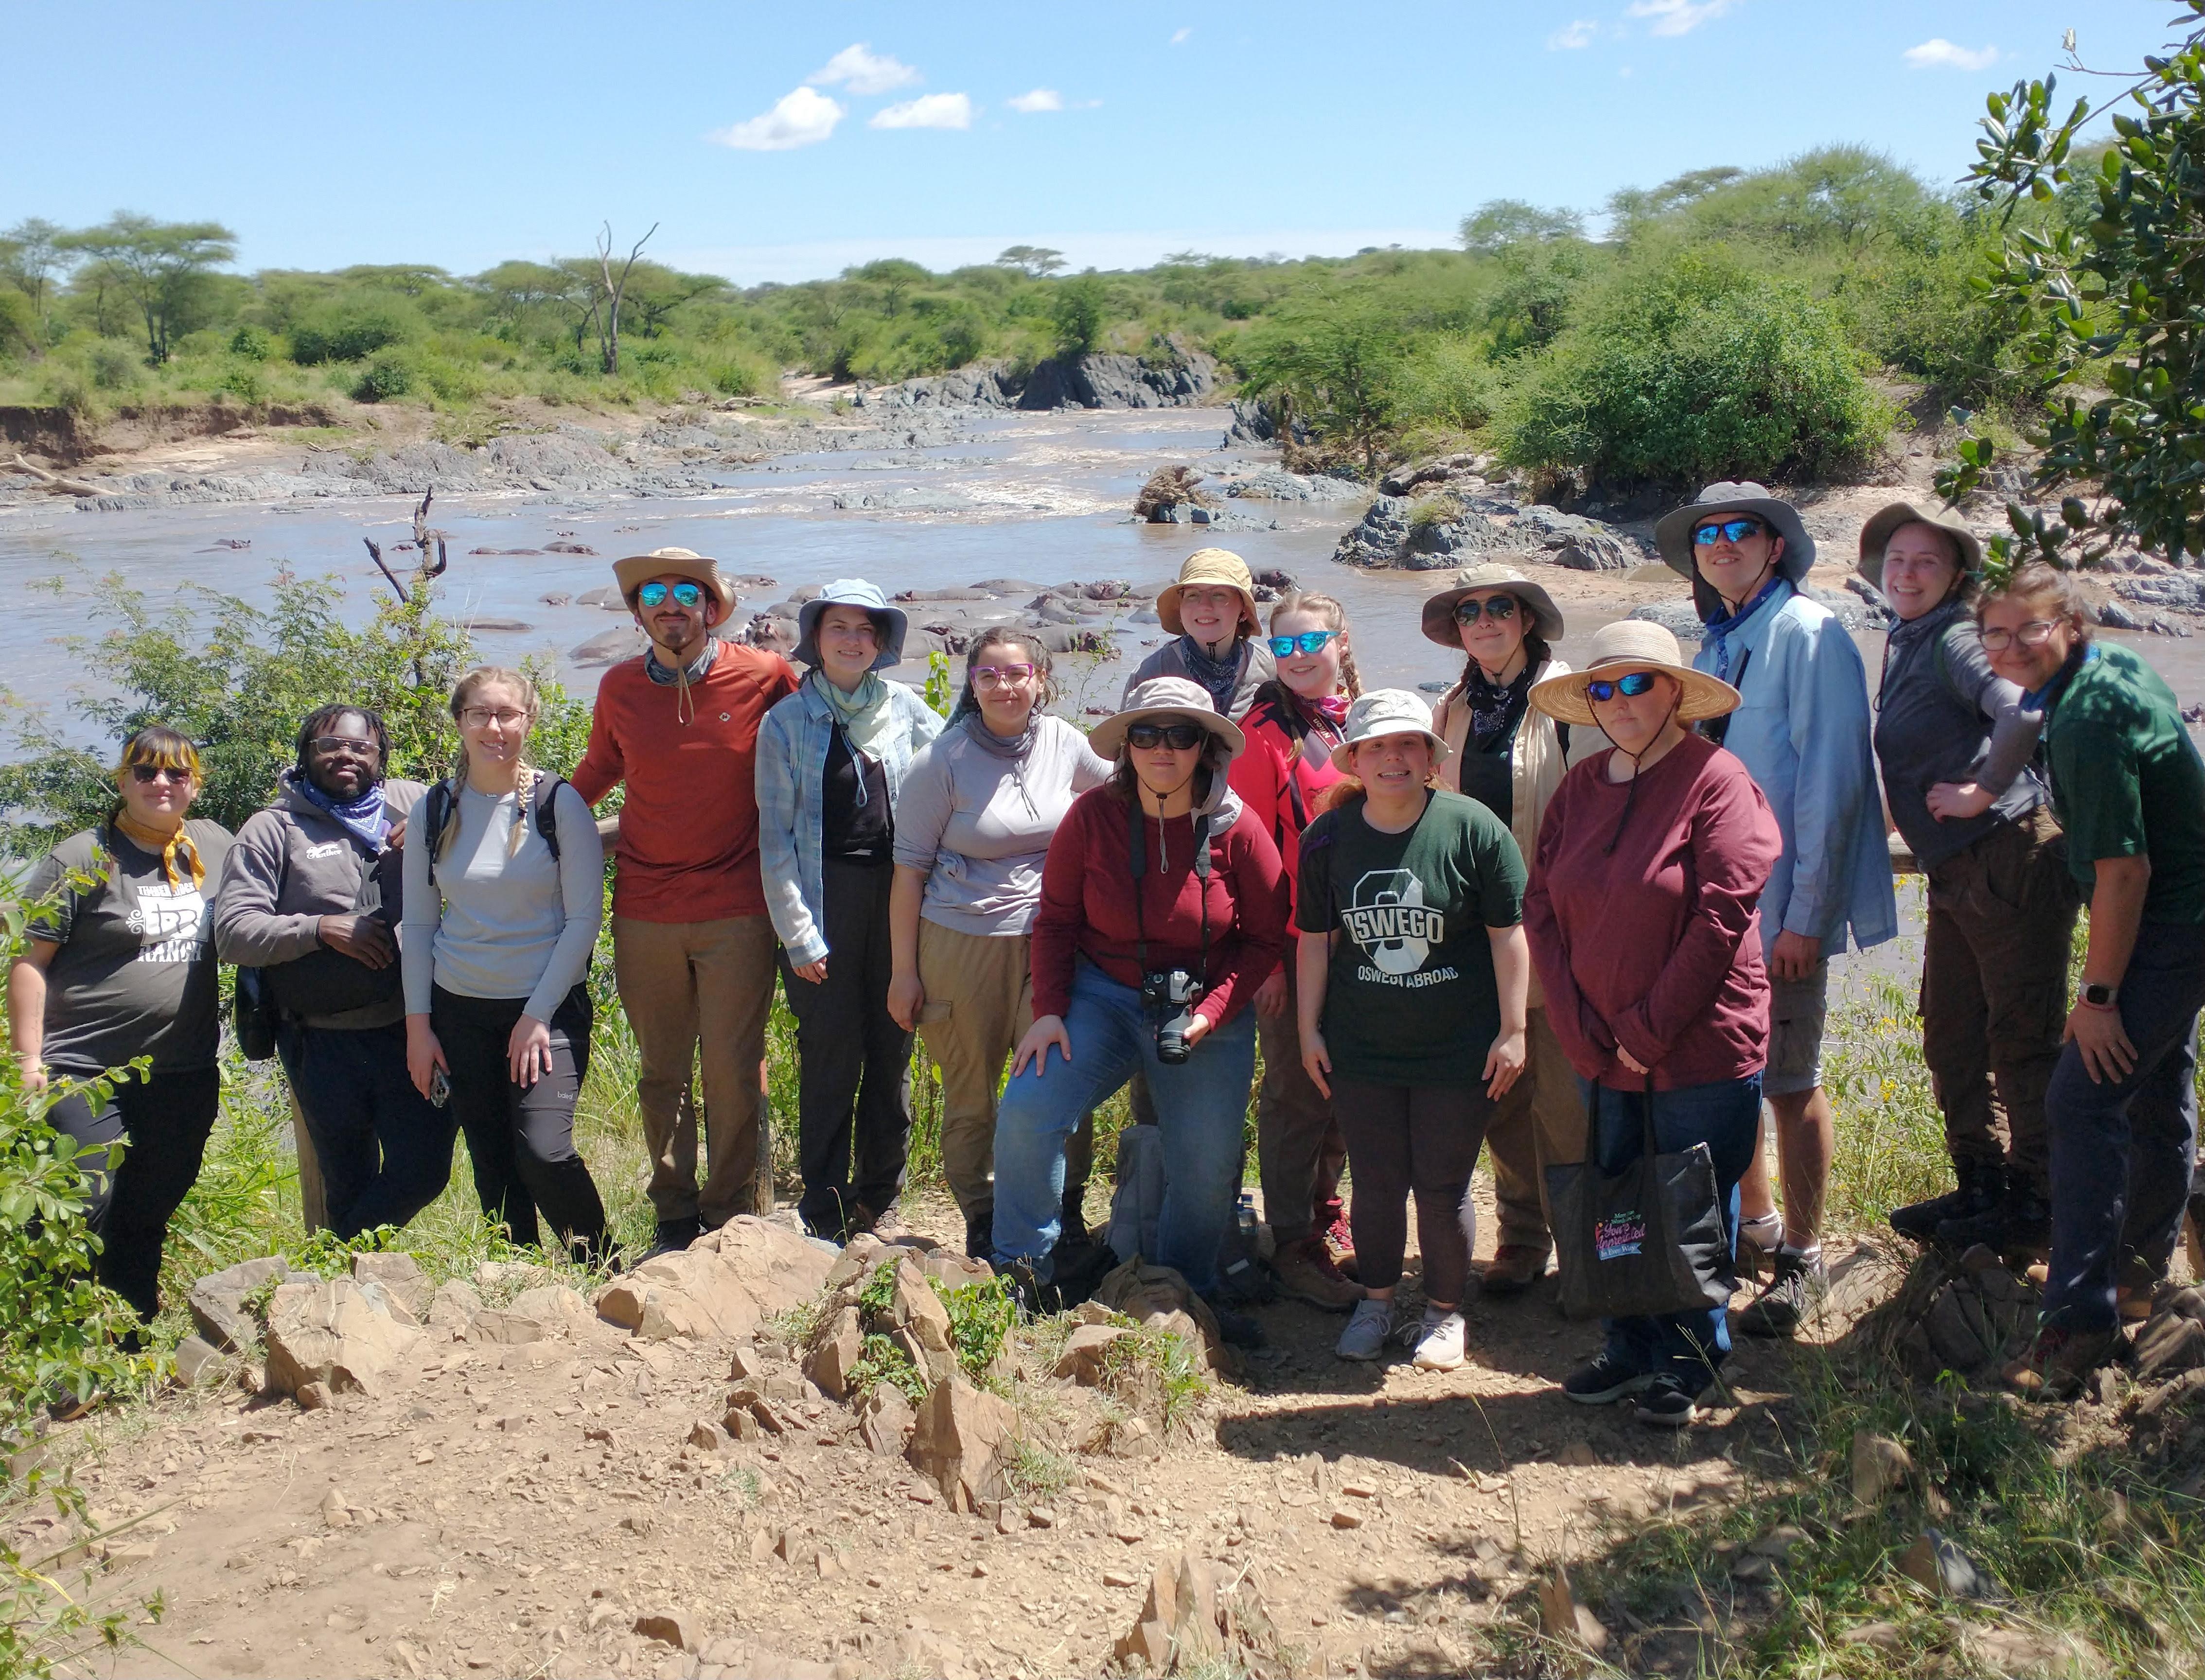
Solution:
(119, 965)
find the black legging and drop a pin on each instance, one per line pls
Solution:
(1405, 1140)
(162, 1122)
(522, 1140)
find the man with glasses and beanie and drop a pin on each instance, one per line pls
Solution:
(310, 896)
(693, 948)
(1802, 730)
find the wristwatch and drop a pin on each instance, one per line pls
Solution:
(2099, 996)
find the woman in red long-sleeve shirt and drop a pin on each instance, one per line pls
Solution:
(1644, 924)
(1158, 876)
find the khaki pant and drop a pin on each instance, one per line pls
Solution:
(688, 986)
(1540, 1123)
(1299, 1151)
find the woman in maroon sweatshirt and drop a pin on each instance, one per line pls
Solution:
(1645, 930)
(1163, 907)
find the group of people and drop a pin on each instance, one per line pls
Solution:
(1562, 913)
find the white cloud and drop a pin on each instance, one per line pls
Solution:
(1041, 100)
(1578, 34)
(929, 110)
(1940, 54)
(801, 118)
(863, 71)
(1179, 36)
(1679, 17)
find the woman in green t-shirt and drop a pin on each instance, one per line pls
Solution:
(1419, 978)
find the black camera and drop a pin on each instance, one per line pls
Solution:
(1170, 999)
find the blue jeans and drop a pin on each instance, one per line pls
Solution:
(2122, 1152)
(1202, 1107)
(1726, 1116)
(385, 1149)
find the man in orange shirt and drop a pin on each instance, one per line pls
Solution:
(692, 947)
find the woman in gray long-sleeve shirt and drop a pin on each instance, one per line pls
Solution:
(1955, 743)
(499, 926)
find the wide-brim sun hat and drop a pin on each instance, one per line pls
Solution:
(1165, 696)
(1875, 536)
(1439, 609)
(1618, 650)
(1672, 532)
(890, 623)
(637, 570)
(1386, 712)
(1207, 567)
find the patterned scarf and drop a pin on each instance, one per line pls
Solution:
(1723, 625)
(167, 847)
(1220, 676)
(1496, 709)
(363, 817)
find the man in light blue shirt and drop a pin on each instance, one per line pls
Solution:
(1801, 727)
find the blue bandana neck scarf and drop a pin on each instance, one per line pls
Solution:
(1723, 624)
(1220, 676)
(363, 817)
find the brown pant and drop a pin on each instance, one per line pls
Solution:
(688, 986)
(1994, 990)
(1540, 1122)
(1299, 1151)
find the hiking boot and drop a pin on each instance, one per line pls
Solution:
(2019, 1219)
(1514, 1268)
(674, 1235)
(1073, 1216)
(1440, 1341)
(1306, 1272)
(1795, 1285)
(2060, 1360)
(1364, 1338)
(1030, 1296)
(1981, 1187)
(1340, 1243)
(1234, 1329)
(1664, 1404)
(1604, 1380)
(887, 1225)
(980, 1232)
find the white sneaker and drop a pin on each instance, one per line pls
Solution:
(1364, 1338)
(1439, 1343)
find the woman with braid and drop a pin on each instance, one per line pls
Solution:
(504, 894)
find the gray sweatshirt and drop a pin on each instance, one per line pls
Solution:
(502, 923)
(979, 825)
(1256, 669)
(1943, 714)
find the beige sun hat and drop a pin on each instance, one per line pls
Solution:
(1439, 609)
(1875, 536)
(1386, 712)
(1208, 567)
(637, 570)
(1165, 696)
(1633, 644)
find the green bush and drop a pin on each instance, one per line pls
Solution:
(114, 366)
(251, 343)
(347, 331)
(383, 378)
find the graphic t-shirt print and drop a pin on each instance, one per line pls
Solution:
(1386, 916)
(170, 922)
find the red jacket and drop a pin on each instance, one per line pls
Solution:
(1087, 905)
(1275, 778)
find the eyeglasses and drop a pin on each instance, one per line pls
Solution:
(1726, 530)
(686, 594)
(1499, 608)
(1309, 641)
(2033, 634)
(146, 775)
(1631, 686)
(999, 676)
(327, 745)
(481, 717)
(1178, 737)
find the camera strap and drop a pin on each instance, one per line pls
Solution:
(1134, 827)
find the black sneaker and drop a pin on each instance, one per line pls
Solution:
(1603, 1381)
(1236, 1329)
(1665, 1404)
(1982, 1185)
(2021, 1219)
(674, 1235)
(1797, 1282)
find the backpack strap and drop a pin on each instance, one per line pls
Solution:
(437, 816)
(441, 804)
(539, 801)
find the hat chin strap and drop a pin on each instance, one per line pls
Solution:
(1631, 793)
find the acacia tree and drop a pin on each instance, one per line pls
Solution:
(1036, 261)
(609, 300)
(1337, 359)
(34, 255)
(160, 265)
(2110, 310)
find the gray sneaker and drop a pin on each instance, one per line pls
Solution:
(1364, 1338)
(1797, 1283)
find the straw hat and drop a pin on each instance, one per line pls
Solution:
(1165, 696)
(1386, 712)
(1439, 609)
(637, 570)
(1877, 533)
(1673, 533)
(1633, 644)
(888, 622)
(1208, 567)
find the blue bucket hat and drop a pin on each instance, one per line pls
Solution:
(889, 621)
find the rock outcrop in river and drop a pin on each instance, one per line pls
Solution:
(1096, 381)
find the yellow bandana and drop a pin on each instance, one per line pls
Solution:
(167, 847)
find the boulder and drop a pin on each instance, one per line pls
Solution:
(197, 1359)
(1158, 1298)
(545, 1313)
(719, 1286)
(962, 1442)
(400, 1277)
(917, 1308)
(452, 1310)
(217, 1302)
(668, 1626)
(329, 1332)
(834, 1353)
(886, 1420)
(1087, 1354)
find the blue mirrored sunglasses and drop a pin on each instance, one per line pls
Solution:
(654, 594)
(1630, 686)
(1726, 530)
(1284, 647)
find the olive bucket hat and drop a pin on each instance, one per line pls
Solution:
(1546, 620)
(1875, 536)
(1673, 533)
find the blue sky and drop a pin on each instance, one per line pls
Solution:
(467, 131)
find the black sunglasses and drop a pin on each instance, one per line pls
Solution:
(1726, 530)
(654, 594)
(1501, 609)
(149, 774)
(1178, 737)
(1631, 686)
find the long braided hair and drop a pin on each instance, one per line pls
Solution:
(482, 677)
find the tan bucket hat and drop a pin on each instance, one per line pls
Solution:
(1632, 644)
(1439, 609)
(637, 570)
(1208, 567)
(1875, 536)
(1386, 712)
(1673, 533)
(1165, 696)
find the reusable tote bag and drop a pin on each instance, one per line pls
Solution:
(1649, 1241)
